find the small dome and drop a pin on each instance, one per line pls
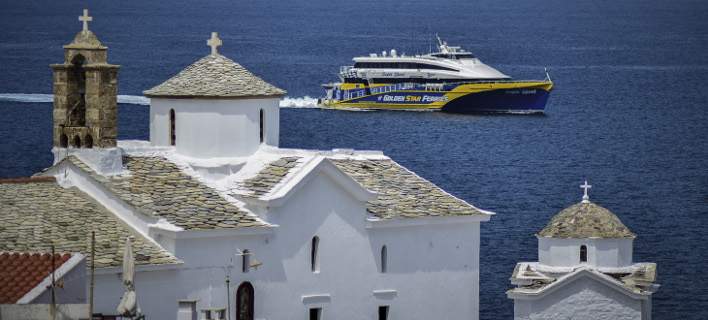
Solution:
(585, 220)
(86, 39)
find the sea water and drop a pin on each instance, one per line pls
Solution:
(629, 111)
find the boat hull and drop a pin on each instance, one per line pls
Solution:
(495, 97)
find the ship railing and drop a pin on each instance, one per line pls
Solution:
(347, 71)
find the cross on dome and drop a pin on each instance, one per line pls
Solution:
(586, 186)
(85, 19)
(214, 42)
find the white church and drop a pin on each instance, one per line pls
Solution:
(225, 224)
(585, 270)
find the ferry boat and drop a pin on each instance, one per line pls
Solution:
(451, 80)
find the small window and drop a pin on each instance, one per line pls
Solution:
(384, 259)
(315, 313)
(173, 135)
(314, 261)
(262, 119)
(246, 261)
(383, 312)
(583, 253)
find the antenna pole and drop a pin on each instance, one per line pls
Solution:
(93, 269)
(53, 311)
(228, 298)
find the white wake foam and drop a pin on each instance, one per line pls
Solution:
(41, 97)
(26, 97)
(304, 102)
(287, 102)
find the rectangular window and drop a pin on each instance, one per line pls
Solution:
(315, 313)
(383, 312)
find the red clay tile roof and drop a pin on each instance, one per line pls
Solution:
(21, 272)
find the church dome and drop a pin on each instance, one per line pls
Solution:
(585, 220)
(214, 76)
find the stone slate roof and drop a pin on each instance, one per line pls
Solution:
(401, 193)
(214, 76)
(531, 280)
(20, 272)
(157, 187)
(585, 220)
(268, 177)
(85, 39)
(36, 212)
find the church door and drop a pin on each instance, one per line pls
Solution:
(244, 302)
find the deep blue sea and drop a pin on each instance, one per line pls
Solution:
(629, 111)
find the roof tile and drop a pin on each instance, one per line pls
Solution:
(214, 76)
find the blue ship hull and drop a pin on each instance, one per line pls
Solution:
(499, 101)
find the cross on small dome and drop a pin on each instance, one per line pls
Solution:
(586, 187)
(85, 19)
(214, 42)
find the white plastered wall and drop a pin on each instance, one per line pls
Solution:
(601, 252)
(433, 271)
(214, 128)
(582, 299)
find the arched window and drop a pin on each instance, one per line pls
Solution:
(63, 141)
(173, 135)
(583, 253)
(244, 301)
(314, 259)
(77, 142)
(262, 119)
(384, 259)
(77, 104)
(88, 141)
(246, 261)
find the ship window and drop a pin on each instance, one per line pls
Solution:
(399, 65)
(583, 253)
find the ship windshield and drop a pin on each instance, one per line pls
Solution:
(454, 55)
(399, 65)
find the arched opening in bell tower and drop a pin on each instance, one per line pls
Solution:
(63, 141)
(77, 106)
(88, 141)
(77, 142)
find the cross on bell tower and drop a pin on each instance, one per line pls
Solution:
(85, 19)
(214, 42)
(85, 93)
(586, 187)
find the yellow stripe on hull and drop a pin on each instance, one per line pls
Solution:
(462, 90)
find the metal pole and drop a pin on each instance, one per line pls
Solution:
(93, 256)
(228, 298)
(52, 311)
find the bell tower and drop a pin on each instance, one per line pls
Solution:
(85, 94)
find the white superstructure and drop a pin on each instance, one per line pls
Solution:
(449, 63)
